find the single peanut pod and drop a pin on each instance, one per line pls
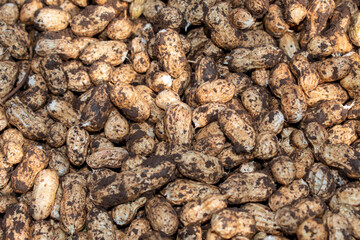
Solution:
(55, 211)
(59, 162)
(100, 72)
(354, 29)
(119, 28)
(307, 77)
(280, 76)
(77, 143)
(206, 113)
(116, 127)
(63, 111)
(333, 69)
(171, 53)
(315, 226)
(107, 157)
(140, 57)
(97, 17)
(339, 227)
(51, 19)
(28, 10)
(73, 216)
(325, 92)
(190, 232)
(346, 195)
(166, 98)
(220, 91)
(255, 100)
(283, 170)
(129, 100)
(52, 70)
(16, 40)
(123, 214)
(345, 134)
(44, 192)
(63, 47)
(293, 103)
(274, 22)
(247, 187)
(23, 177)
(320, 180)
(320, 46)
(17, 222)
(201, 211)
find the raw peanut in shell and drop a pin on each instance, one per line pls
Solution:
(44, 192)
(312, 229)
(43, 230)
(241, 18)
(333, 69)
(238, 130)
(129, 100)
(247, 187)
(100, 225)
(345, 134)
(8, 72)
(51, 19)
(107, 157)
(280, 76)
(283, 169)
(137, 228)
(230, 222)
(28, 10)
(55, 211)
(273, 121)
(326, 92)
(352, 215)
(63, 111)
(290, 217)
(267, 145)
(128, 185)
(100, 72)
(220, 91)
(13, 152)
(23, 177)
(52, 70)
(6, 201)
(206, 113)
(320, 46)
(119, 28)
(113, 52)
(201, 211)
(123, 214)
(257, 7)
(346, 195)
(289, 44)
(338, 227)
(77, 143)
(274, 22)
(72, 205)
(321, 181)
(15, 39)
(200, 167)
(116, 127)
(205, 70)
(307, 77)
(264, 218)
(139, 55)
(287, 195)
(59, 162)
(78, 78)
(17, 222)
(57, 135)
(96, 111)
(5, 171)
(293, 103)
(255, 100)
(295, 11)
(178, 126)
(166, 98)
(182, 191)
(243, 59)
(161, 215)
(92, 20)
(171, 53)
(190, 232)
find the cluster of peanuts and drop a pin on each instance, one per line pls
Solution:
(180, 119)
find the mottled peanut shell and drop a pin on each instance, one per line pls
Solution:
(28, 10)
(100, 72)
(351, 213)
(129, 100)
(274, 22)
(321, 181)
(139, 55)
(338, 227)
(107, 157)
(206, 113)
(13, 152)
(205, 70)
(241, 18)
(283, 169)
(16, 40)
(119, 28)
(8, 73)
(220, 91)
(17, 222)
(295, 11)
(72, 205)
(51, 19)
(182, 191)
(264, 218)
(238, 130)
(43, 230)
(3, 119)
(23, 177)
(5, 171)
(247, 187)
(128, 185)
(123, 214)
(243, 59)
(255, 100)
(113, 52)
(200, 167)
(290, 217)
(178, 126)
(201, 211)
(137, 228)
(267, 145)
(345, 134)
(92, 20)
(161, 215)
(306, 75)
(193, 232)
(171, 53)
(78, 78)
(100, 225)
(280, 75)
(327, 91)
(210, 140)
(333, 69)
(240, 80)
(96, 111)
(347, 195)
(45, 187)
(230, 222)
(293, 103)
(57, 135)
(59, 162)
(289, 43)
(63, 111)
(52, 70)
(116, 127)
(272, 121)
(166, 98)
(55, 211)
(77, 143)
(312, 229)
(287, 195)
(6, 201)
(316, 134)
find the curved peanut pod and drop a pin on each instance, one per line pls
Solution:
(45, 187)
(178, 126)
(113, 188)
(97, 110)
(274, 22)
(23, 118)
(107, 157)
(238, 130)
(307, 76)
(17, 222)
(248, 187)
(295, 11)
(130, 101)
(123, 214)
(24, 175)
(243, 59)
(171, 53)
(72, 205)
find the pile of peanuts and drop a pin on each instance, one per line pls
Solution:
(180, 119)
